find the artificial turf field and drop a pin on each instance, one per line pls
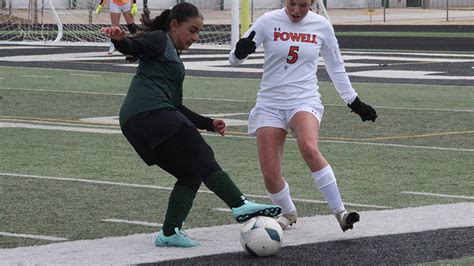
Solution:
(70, 181)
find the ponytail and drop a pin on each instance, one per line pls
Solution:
(181, 12)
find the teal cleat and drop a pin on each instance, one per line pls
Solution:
(251, 209)
(177, 240)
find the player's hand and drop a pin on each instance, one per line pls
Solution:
(365, 111)
(98, 9)
(114, 32)
(245, 46)
(219, 126)
(134, 10)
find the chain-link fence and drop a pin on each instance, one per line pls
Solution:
(340, 11)
(76, 20)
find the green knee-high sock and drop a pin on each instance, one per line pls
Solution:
(221, 184)
(179, 205)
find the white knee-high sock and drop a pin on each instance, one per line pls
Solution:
(283, 199)
(325, 180)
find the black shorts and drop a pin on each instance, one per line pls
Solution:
(166, 138)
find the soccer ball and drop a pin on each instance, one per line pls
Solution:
(261, 236)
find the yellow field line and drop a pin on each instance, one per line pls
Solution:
(402, 137)
(53, 120)
(237, 133)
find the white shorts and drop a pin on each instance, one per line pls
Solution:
(261, 116)
(114, 8)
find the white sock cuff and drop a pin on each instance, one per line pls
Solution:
(324, 177)
(282, 194)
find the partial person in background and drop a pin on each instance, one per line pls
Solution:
(126, 7)
(164, 132)
(289, 99)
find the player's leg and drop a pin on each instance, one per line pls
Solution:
(191, 160)
(270, 144)
(131, 26)
(197, 160)
(270, 128)
(115, 20)
(148, 130)
(305, 126)
(127, 15)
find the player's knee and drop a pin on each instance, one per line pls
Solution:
(272, 177)
(193, 183)
(309, 151)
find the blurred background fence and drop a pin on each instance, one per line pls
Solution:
(340, 11)
(76, 21)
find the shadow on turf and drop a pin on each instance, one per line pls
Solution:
(398, 249)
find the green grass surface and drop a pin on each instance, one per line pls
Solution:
(368, 170)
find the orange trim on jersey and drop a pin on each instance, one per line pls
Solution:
(120, 2)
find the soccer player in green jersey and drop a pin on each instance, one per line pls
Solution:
(164, 132)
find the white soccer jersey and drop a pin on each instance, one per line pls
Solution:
(291, 59)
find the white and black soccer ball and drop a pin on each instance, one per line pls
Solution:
(261, 236)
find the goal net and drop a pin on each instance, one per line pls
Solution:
(75, 21)
(50, 20)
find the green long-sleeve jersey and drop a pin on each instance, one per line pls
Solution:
(158, 82)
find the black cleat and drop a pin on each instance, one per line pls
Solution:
(347, 219)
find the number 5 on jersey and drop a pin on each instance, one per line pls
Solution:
(292, 55)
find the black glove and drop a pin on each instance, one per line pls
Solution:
(365, 111)
(245, 46)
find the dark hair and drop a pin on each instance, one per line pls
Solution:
(181, 12)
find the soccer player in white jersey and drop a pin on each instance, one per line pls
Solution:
(288, 98)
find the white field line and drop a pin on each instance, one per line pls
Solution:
(25, 47)
(220, 100)
(346, 52)
(132, 222)
(438, 195)
(61, 128)
(324, 202)
(169, 188)
(407, 74)
(37, 76)
(74, 123)
(84, 75)
(139, 248)
(418, 109)
(53, 44)
(416, 54)
(222, 209)
(237, 100)
(63, 91)
(225, 115)
(41, 237)
(347, 56)
(397, 145)
(85, 71)
(85, 129)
